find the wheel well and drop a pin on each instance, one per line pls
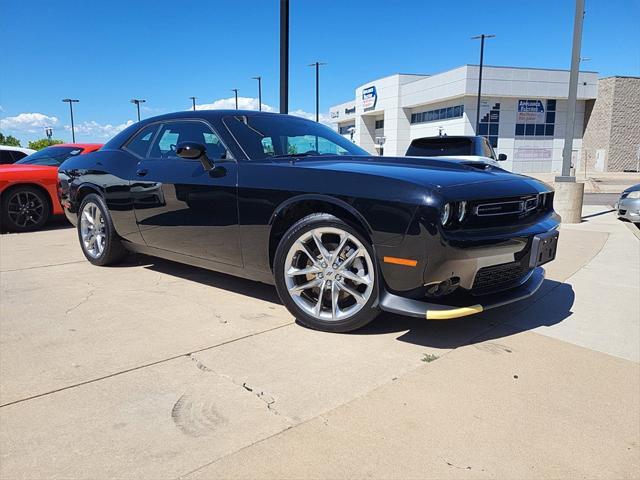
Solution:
(35, 186)
(294, 212)
(83, 191)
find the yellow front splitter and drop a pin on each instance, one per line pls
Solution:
(393, 303)
(453, 313)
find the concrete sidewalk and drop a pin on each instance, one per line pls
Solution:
(156, 370)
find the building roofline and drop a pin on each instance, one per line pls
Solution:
(620, 76)
(521, 68)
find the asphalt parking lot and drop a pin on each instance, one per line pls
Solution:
(158, 370)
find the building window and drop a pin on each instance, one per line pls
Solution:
(533, 120)
(438, 114)
(379, 124)
(489, 125)
(344, 130)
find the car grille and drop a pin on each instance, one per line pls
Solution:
(622, 212)
(498, 277)
(494, 212)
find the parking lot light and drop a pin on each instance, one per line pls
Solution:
(259, 78)
(481, 37)
(235, 91)
(137, 102)
(71, 101)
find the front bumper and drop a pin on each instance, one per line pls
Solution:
(629, 209)
(461, 306)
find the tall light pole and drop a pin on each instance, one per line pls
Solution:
(569, 193)
(137, 102)
(235, 91)
(259, 78)
(317, 65)
(193, 100)
(481, 37)
(284, 56)
(71, 101)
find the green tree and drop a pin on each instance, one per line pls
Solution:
(43, 142)
(9, 140)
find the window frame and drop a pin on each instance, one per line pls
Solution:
(160, 123)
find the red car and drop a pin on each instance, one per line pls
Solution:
(28, 195)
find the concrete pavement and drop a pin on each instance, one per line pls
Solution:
(158, 370)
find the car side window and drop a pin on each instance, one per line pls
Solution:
(5, 157)
(140, 142)
(171, 134)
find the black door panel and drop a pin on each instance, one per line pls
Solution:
(183, 208)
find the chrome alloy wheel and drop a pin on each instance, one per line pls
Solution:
(329, 273)
(92, 230)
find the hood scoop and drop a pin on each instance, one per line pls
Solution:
(478, 166)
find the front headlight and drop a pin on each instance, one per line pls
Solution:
(462, 211)
(635, 194)
(445, 214)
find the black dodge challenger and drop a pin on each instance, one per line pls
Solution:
(341, 233)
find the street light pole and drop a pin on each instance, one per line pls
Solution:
(71, 101)
(193, 100)
(235, 91)
(573, 93)
(569, 194)
(137, 102)
(481, 37)
(284, 56)
(317, 65)
(259, 78)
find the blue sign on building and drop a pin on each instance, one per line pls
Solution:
(369, 98)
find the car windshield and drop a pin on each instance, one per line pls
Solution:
(50, 156)
(264, 136)
(436, 147)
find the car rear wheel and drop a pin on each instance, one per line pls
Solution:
(98, 238)
(325, 274)
(25, 209)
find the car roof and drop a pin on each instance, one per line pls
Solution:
(78, 145)
(17, 149)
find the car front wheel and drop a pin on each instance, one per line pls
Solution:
(325, 274)
(98, 238)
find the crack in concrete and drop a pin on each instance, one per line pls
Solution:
(84, 300)
(269, 400)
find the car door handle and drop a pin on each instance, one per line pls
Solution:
(141, 172)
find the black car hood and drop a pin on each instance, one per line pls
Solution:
(431, 172)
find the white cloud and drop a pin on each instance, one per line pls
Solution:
(97, 130)
(28, 122)
(251, 103)
(244, 103)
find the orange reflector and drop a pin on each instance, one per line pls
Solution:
(401, 261)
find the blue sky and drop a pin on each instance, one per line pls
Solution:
(105, 53)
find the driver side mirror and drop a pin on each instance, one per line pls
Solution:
(502, 157)
(194, 151)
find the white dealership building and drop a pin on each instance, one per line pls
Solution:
(522, 112)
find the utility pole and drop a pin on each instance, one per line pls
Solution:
(193, 100)
(259, 78)
(569, 194)
(71, 101)
(481, 37)
(235, 91)
(137, 102)
(284, 56)
(317, 65)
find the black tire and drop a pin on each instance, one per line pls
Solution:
(25, 209)
(113, 251)
(365, 315)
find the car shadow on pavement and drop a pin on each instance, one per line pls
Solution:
(56, 223)
(203, 276)
(550, 306)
